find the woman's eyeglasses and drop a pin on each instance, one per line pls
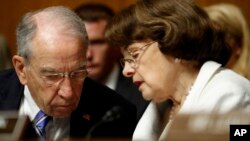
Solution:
(135, 56)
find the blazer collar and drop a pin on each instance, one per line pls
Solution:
(206, 73)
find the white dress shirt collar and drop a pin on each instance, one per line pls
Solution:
(28, 105)
(113, 77)
(206, 72)
(59, 128)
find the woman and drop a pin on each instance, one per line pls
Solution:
(231, 18)
(175, 54)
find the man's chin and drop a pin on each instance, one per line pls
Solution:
(93, 75)
(63, 112)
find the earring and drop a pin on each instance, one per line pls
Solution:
(177, 60)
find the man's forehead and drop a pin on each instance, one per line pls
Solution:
(57, 65)
(50, 26)
(96, 25)
(44, 53)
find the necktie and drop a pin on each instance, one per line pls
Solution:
(40, 123)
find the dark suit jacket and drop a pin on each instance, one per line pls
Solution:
(129, 91)
(95, 101)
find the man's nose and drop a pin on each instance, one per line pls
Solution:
(89, 53)
(66, 90)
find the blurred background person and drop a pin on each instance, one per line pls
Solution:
(232, 20)
(175, 55)
(103, 59)
(5, 58)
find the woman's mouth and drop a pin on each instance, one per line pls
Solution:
(138, 83)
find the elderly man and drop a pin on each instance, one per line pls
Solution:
(49, 83)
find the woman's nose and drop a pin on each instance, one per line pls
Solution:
(128, 71)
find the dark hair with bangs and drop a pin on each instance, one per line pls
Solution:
(182, 29)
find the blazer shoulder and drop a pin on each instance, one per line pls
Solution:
(97, 101)
(11, 90)
(95, 91)
(8, 78)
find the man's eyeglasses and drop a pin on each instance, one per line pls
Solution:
(50, 77)
(135, 56)
(53, 78)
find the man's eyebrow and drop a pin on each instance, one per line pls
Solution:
(83, 66)
(97, 41)
(47, 70)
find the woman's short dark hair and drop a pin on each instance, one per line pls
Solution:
(182, 29)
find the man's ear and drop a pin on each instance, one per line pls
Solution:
(18, 63)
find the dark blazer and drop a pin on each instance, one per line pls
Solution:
(129, 91)
(95, 101)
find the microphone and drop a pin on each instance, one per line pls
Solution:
(112, 114)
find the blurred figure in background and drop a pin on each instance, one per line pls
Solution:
(231, 18)
(5, 59)
(103, 59)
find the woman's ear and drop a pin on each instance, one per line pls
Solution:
(19, 65)
(177, 60)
